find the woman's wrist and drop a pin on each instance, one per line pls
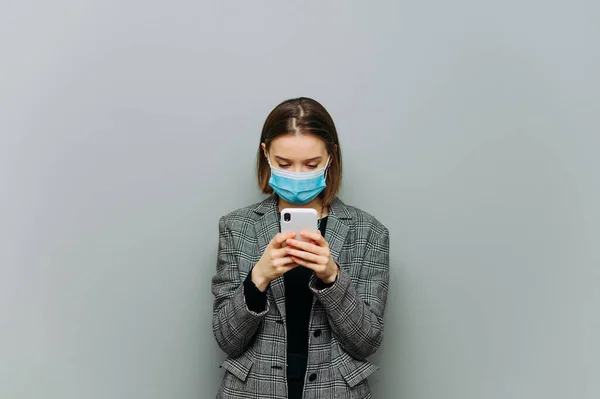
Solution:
(259, 281)
(331, 277)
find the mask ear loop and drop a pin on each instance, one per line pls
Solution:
(327, 167)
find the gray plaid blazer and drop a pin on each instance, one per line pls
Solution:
(349, 314)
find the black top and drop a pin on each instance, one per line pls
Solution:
(298, 304)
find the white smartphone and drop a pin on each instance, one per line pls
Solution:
(297, 220)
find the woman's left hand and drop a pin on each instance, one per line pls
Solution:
(314, 255)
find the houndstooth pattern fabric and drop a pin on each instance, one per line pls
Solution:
(348, 315)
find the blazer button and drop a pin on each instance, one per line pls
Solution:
(312, 377)
(317, 333)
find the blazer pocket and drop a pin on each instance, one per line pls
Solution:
(356, 371)
(239, 366)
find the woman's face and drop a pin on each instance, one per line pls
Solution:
(297, 152)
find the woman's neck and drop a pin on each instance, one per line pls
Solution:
(316, 204)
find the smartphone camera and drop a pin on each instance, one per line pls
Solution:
(287, 217)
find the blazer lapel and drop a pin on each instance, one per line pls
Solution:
(267, 227)
(338, 224)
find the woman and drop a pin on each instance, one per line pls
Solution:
(299, 320)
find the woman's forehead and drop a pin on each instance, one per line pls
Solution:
(297, 146)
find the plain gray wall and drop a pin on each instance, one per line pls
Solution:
(470, 129)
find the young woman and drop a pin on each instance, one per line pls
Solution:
(300, 320)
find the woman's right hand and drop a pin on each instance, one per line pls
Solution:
(273, 263)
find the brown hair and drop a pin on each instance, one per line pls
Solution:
(301, 116)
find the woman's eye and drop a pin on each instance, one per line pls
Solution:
(312, 166)
(284, 165)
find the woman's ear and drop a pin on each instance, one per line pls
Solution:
(264, 147)
(331, 156)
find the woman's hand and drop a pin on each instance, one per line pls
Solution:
(273, 263)
(314, 255)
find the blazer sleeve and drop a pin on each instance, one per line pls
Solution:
(355, 310)
(234, 324)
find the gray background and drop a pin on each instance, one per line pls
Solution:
(469, 129)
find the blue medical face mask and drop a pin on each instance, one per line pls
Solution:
(298, 187)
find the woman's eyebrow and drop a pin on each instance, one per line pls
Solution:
(314, 159)
(307, 160)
